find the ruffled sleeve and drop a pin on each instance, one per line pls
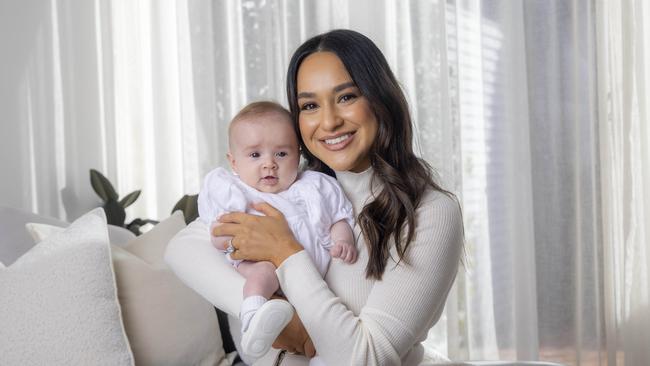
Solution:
(327, 203)
(221, 193)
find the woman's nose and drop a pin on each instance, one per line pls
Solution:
(330, 119)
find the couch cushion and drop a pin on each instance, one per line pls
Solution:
(166, 322)
(59, 302)
(15, 241)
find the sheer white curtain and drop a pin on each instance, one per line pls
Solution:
(624, 115)
(526, 73)
(95, 84)
(535, 113)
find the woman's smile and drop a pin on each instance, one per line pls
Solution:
(338, 142)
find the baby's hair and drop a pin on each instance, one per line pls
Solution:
(257, 109)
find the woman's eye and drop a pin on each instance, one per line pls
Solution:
(281, 154)
(347, 97)
(308, 106)
(254, 155)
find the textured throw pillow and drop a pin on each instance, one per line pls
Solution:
(58, 301)
(116, 235)
(166, 322)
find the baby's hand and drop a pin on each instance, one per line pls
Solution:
(344, 250)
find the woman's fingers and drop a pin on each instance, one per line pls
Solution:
(267, 209)
(293, 337)
(259, 238)
(237, 254)
(310, 350)
(226, 230)
(234, 217)
(240, 250)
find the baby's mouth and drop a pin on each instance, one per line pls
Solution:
(269, 180)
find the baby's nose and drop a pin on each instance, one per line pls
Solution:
(270, 163)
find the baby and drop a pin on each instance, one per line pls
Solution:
(264, 157)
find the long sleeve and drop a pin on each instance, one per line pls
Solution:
(204, 269)
(399, 309)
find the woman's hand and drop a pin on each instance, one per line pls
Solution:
(259, 238)
(294, 338)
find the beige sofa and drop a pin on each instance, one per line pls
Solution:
(161, 321)
(82, 297)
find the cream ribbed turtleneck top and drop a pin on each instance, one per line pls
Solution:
(353, 320)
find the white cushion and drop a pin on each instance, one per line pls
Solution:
(14, 240)
(166, 322)
(59, 303)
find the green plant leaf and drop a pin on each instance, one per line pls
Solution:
(189, 206)
(102, 186)
(115, 214)
(134, 228)
(130, 198)
(143, 222)
(180, 204)
(191, 210)
(136, 225)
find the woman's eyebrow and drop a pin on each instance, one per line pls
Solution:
(336, 89)
(306, 95)
(344, 86)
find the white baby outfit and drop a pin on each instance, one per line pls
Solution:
(311, 205)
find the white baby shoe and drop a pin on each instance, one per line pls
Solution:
(264, 328)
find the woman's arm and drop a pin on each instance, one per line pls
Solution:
(202, 267)
(400, 308)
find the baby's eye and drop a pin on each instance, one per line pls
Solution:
(254, 155)
(281, 154)
(347, 97)
(308, 106)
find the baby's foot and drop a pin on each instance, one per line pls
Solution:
(264, 328)
(344, 250)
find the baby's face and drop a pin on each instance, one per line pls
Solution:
(264, 152)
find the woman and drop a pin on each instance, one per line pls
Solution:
(354, 124)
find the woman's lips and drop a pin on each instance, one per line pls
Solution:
(338, 142)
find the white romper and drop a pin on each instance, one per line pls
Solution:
(311, 205)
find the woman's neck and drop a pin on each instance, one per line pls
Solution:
(356, 187)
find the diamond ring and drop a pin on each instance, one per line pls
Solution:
(230, 249)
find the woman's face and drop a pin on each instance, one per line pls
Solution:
(335, 120)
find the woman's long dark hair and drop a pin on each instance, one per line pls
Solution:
(405, 177)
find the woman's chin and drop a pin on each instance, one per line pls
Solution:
(352, 166)
(338, 166)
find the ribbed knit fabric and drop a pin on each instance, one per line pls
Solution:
(372, 322)
(367, 322)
